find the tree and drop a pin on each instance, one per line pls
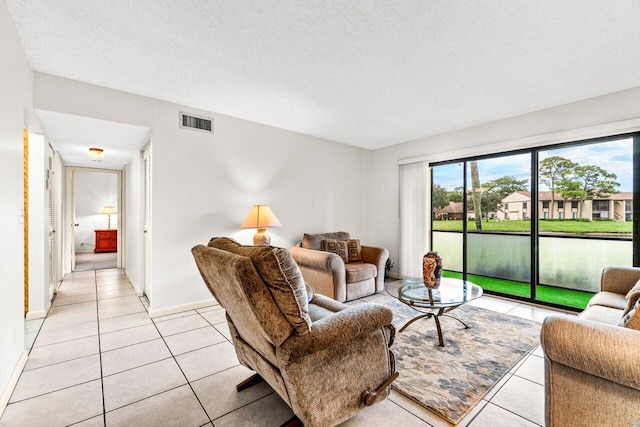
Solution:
(455, 195)
(495, 190)
(476, 194)
(552, 170)
(440, 196)
(588, 182)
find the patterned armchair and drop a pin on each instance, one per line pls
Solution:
(326, 360)
(340, 275)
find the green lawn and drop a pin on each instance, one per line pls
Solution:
(551, 294)
(622, 229)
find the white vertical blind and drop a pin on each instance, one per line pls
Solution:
(414, 217)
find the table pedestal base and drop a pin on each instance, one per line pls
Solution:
(436, 318)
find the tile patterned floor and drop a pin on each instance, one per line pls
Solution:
(99, 359)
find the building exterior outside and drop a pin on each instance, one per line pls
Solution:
(517, 206)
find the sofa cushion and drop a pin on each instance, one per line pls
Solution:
(338, 247)
(314, 241)
(632, 318)
(281, 275)
(359, 271)
(608, 299)
(354, 249)
(602, 314)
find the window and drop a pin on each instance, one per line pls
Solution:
(505, 256)
(600, 209)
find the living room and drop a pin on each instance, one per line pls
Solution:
(204, 184)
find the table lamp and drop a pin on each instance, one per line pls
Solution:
(261, 217)
(109, 210)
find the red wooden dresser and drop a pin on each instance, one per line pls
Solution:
(106, 241)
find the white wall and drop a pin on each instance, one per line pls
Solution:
(204, 185)
(605, 115)
(16, 112)
(93, 191)
(134, 248)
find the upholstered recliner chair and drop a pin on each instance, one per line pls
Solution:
(330, 275)
(325, 359)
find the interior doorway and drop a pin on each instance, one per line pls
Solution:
(94, 211)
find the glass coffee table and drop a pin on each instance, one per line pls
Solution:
(451, 294)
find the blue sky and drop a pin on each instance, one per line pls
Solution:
(614, 156)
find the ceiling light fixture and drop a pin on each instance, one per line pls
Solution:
(96, 153)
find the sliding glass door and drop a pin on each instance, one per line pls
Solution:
(498, 243)
(537, 224)
(586, 223)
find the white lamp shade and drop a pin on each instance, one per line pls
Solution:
(109, 210)
(260, 216)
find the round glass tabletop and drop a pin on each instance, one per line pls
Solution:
(451, 292)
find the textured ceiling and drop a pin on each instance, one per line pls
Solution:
(370, 73)
(72, 136)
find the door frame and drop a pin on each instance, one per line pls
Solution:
(69, 217)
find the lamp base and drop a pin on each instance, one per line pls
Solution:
(262, 238)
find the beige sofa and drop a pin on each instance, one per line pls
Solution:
(592, 365)
(331, 276)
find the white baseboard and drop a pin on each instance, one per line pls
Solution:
(139, 292)
(31, 315)
(179, 308)
(6, 394)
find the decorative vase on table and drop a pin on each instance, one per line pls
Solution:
(431, 270)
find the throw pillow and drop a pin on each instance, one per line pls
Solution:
(635, 288)
(632, 297)
(338, 247)
(314, 241)
(354, 249)
(632, 318)
(281, 275)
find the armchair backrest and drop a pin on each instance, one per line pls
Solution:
(314, 241)
(237, 286)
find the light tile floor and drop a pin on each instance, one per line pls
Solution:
(99, 359)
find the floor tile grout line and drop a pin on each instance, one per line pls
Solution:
(145, 398)
(408, 411)
(183, 374)
(73, 339)
(137, 366)
(516, 414)
(128, 327)
(130, 345)
(246, 404)
(53, 391)
(58, 363)
(104, 414)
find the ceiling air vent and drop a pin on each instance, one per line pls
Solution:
(203, 124)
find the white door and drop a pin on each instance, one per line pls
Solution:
(72, 202)
(147, 220)
(51, 222)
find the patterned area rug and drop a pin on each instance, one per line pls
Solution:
(451, 380)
